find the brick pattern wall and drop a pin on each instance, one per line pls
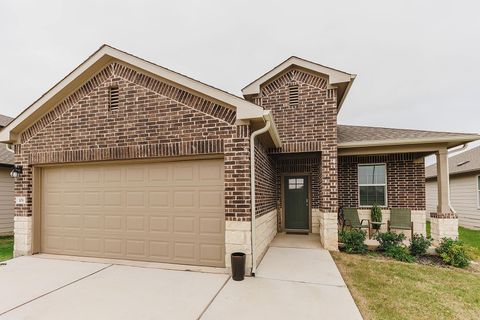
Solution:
(405, 179)
(310, 126)
(265, 182)
(154, 119)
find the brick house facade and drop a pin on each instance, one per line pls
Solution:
(164, 118)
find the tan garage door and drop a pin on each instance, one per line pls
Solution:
(163, 211)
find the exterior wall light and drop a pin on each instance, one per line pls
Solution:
(16, 171)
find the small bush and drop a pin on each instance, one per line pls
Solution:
(354, 241)
(400, 253)
(453, 253)
(389, 239)
(419, 245)
(376, 214)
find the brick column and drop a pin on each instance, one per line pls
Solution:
(329, 200)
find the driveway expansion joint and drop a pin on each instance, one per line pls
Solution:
(306, 282)
(56, 289)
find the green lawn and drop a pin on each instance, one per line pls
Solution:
(6, 248)
(387, 289)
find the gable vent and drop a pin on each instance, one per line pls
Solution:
(113, 100)
(293, 95)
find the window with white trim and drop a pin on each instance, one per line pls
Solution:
(372, 184)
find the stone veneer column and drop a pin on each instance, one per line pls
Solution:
(443, 226)
(238, 238)
(444, 222)
(329, 230)
(22, 229)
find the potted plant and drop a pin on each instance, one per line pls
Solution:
(376, 213)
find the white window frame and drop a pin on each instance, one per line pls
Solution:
(372, 185)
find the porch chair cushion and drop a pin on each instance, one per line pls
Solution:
(352, 220)
(400, 219)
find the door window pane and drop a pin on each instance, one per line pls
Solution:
(296, 183)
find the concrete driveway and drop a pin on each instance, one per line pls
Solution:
(290, 283)
(38, 288)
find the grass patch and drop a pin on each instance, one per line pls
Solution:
(469, 237)
(6, 248)
(386, 289)
(471, 240)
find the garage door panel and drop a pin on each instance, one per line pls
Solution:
(159, 199)
(114, 247)
(163, 212)
(160, 249)
(211, 226)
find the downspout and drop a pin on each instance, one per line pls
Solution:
(448, 175)
(252, 188)
(9, 148)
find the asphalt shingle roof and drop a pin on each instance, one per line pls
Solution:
(349, 134)
(4, 120)
(467, 161)
(6, 157)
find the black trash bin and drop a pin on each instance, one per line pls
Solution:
(238, 266)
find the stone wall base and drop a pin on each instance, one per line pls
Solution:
(265, 231)
(238, 238)
(316, 220)
(22, 228)
(443, 228)
(329, 230)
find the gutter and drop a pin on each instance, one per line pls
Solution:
(267, 117)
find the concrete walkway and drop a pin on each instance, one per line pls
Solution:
(295, 280)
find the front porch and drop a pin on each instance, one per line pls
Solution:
(294, 195)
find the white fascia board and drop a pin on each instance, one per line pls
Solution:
(373, 143)
(334, 76)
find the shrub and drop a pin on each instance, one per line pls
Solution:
(354, 241)
(389, 239)
(419, 245)
(453, 253)
(400, 253)
(376, 214)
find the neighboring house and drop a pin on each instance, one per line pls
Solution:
(126, 159)
(6, 184)
(464, 171)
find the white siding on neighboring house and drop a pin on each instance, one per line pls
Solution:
(463, 197)
(431, 197)
(6, 202)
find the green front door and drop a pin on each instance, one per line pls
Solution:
(296, 203)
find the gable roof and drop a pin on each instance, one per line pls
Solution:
(102, 57)
(467, 161)
(4, 120)
(364, 136)
(342, 80)
(6, 156)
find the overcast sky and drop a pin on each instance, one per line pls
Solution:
(418, 62)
